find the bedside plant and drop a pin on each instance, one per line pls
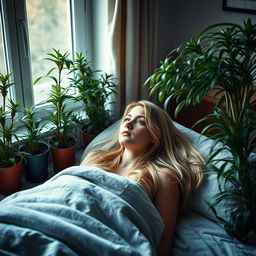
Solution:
(93, 91)
(222, 57)
(63, 144)
(10, 157)
(37, 151)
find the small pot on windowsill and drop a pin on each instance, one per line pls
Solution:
(87, 138)
(88, 134)
(65, 156)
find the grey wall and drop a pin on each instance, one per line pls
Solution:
(179, 20)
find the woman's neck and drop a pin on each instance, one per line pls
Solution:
(129, 158)
(127, 163)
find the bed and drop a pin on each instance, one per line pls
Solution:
(87, 211)
(198, 233)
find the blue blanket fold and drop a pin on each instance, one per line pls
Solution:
(80, 211)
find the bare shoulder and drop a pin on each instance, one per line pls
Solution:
(166, 177)
(168, 186)
(168, 190)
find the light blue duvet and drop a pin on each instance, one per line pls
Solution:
(80, 211)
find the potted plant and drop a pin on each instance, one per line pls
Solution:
(10, 158)
(93, 90)
(37, 151)
(63, 144)
(223, 58)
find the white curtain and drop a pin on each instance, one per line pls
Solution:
(132, 34)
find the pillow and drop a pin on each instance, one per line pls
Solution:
(209, 187)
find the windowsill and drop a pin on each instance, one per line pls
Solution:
(44, 115)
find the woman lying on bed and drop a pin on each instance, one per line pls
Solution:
(150, 150)
(122, 200)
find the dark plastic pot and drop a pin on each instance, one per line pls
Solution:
(36, 166)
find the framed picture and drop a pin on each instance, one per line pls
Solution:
(248, 6)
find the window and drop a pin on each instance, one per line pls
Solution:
(48, 27)
(2, 57)
(30, 29)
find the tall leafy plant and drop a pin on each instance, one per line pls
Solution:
(33, 136)
(222, 57)
(8, 152)
(61, 118)
(94, 89)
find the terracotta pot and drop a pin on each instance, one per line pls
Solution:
(63, 157)
(87, 138)
(10, 178)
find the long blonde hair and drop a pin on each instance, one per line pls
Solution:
(171, 149)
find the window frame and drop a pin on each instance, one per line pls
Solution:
(17, 50)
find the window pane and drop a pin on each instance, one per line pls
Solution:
(48, 27)
(2, 57)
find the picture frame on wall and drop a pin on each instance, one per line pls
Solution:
(247, 6)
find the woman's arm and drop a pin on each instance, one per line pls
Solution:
(167, 204)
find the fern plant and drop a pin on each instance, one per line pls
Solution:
(222, 57)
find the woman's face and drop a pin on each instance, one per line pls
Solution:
(133, 132)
